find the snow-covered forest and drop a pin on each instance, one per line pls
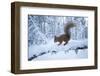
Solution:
(41, 32)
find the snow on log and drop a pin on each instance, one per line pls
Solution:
(53, 48)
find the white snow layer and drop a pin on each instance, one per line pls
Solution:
(55, 51)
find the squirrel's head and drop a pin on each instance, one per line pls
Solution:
(55, 39)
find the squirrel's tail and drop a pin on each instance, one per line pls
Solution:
(68, 26)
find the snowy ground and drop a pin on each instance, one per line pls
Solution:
(52, 51)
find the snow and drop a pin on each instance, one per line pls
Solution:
(41, 32)
(61, 55)
(54, 51)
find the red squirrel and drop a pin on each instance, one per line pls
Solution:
(65, 37)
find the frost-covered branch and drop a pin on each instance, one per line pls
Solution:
(54, 48)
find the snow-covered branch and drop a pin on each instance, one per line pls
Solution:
(54, 48)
